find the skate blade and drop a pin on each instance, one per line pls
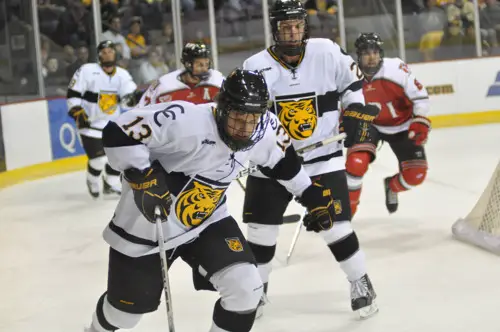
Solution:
(260, 312)
(368, 311)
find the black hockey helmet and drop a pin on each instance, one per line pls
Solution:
(193, 51)
(369, 41)
(242, 103)
(102, 45)
(284, 10)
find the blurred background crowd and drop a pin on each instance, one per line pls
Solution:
(142, 29)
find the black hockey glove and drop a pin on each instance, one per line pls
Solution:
(150, 190)
(320, 210)
(81, 118)
(356, 123)
(131, 99)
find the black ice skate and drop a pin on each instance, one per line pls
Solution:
(108, 190)
(391, 198)
(93, 189)
(363, 297)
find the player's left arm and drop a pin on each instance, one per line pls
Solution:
(420, 124)
(129, 93)
(279, 160)
(356, 116)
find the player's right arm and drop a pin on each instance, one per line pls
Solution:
(74, 98)
(279, 160)
(356, 117)
(127, 142)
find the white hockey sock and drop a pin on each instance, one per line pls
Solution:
(355, 266)
(344, 245)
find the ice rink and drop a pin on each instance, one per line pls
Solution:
(53, 261)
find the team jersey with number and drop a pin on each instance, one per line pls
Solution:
(306, 98)
(184, 138)
(398, 94)
(99, 94)
(169, 87)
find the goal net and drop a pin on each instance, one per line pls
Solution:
(482, 226)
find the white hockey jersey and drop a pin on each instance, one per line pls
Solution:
(306, 98)
(98, 93)
(398, 94)
(169, 87)
(184, 138)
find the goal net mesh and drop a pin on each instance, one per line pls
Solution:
(482, 226)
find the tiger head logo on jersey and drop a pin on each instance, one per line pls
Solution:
(108, 102)
(299, 117)
(197, 202)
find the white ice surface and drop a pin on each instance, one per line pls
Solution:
(53, 261)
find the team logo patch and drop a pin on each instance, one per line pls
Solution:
(108, 102)
(298, 114)
(337, 206)
(197, 202)
(234, 244)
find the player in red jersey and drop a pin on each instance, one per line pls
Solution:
(196, 82)
(402, 122)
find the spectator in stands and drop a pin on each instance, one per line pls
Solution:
(74, 25)
(48, 16)
(166, 40)
(82, 57)
(322, 13)
(461, 18)
(109, 9)
(113, 33)
(136, 40)
(153, 68)
(444, 3)
(433, 21)
(68, 56)
(489, 20)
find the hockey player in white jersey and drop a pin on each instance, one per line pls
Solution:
(182, 157)
(306, 79)
(197, 83)
(93, 97)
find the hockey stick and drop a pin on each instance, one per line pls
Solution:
(290, 219)
(164, 270)
(336, 138)
(319, 144)
(299, 227)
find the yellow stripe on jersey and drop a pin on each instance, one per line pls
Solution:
(283, 63)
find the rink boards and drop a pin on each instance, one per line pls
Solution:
(39, 139)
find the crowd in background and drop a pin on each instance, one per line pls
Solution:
(143, 33)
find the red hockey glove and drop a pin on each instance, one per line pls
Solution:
(419, 129)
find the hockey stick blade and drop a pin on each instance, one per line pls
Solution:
(294, 242)
(291, 219)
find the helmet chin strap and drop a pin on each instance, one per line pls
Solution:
(289, 50)
(108, 64)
